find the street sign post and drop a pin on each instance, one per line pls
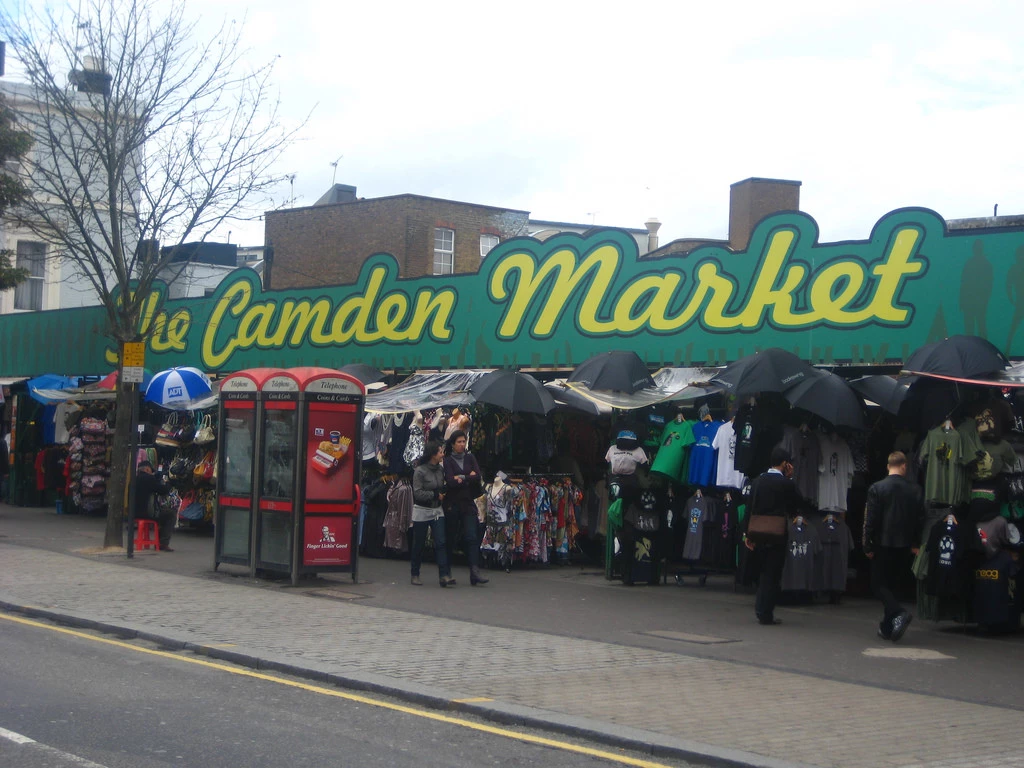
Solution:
(133, 362)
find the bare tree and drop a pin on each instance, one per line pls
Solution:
(143, 131)
(13, 146)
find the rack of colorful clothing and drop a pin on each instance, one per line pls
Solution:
(529, 518)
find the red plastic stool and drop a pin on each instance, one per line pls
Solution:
(147, 535)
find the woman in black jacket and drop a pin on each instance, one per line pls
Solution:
(463, 483)
(427, 495)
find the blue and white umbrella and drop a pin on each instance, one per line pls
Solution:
(177, 387)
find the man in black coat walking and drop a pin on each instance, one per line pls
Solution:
(774, 493)
(893, 519)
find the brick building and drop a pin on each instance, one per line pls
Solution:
(326, 243)
(750, 201)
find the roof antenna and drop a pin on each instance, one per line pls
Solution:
(334, 165)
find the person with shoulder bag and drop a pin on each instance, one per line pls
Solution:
(774, 498)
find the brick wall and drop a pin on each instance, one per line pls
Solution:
(327, 244)
(753, 199)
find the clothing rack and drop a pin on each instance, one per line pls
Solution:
(702, 571)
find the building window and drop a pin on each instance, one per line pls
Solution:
(444, 251)
(29, 294)
(486, 243)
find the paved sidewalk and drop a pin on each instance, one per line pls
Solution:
(683, 704)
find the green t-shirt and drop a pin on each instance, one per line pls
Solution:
(671, 458)
(944, 454)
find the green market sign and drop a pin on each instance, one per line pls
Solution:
(557, 302)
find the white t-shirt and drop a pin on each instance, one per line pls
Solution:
(725, 443)
(624, 462)
(835, 472)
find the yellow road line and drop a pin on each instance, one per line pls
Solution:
(524, 737)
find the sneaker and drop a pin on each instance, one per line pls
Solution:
(899, 626)
(417, 581)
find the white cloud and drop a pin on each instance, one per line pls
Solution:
(572, 109)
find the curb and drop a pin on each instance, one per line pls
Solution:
(607, 734)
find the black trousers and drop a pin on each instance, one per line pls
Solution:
(769, 583)
(461, 520)
(888, 568)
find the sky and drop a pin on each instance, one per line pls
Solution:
(611, 114)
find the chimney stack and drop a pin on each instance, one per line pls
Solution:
(754, 199)
(653, 225)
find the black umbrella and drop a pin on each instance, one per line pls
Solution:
(618, 371)
(770, 370)
(959, 356)
(828, 396)
(888, 393)
(930, 401)
(513, 391)
(367, 374)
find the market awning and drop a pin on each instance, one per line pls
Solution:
(1011, 377)
(74, 395)
(669, 384)
(571, 399)
(425, 390)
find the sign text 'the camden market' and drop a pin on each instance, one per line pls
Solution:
(557, 302)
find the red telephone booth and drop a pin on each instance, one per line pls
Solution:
(239, 416)
(331, 406)
(288, 493)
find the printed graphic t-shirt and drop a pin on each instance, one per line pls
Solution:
(702, 453)
(835, 473)
(624, 462)
(836, 543)
(805, 449)
(725, 445)
(945, 480)
(803, 549)
(696, 513)
(675, 438)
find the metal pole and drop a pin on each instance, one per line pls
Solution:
(133, 445)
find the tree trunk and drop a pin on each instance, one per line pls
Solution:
(120, 467)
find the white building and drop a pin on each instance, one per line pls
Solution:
(55, 283)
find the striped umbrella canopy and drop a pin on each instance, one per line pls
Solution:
(178, 386)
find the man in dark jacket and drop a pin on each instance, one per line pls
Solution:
(893, 519)
(774, 493)
(148, 486)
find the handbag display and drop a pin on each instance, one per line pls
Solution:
(168, 434)
(205, 433)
